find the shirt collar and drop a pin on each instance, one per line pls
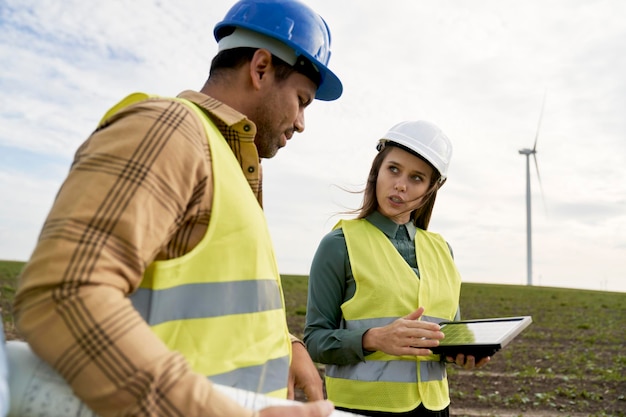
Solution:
(219, 111)
(239, 132)
(388, 227)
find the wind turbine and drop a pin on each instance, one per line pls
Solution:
(533, 152)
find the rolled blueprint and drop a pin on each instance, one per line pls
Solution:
(36, 389)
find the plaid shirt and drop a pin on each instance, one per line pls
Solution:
(139, 190)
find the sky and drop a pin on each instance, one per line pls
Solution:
(482, 70)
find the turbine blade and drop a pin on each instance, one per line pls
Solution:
(543, 198)
(543, 103)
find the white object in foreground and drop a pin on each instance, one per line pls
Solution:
(38, 390)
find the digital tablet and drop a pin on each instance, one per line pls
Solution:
(479, 338)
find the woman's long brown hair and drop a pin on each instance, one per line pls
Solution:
(421, 215)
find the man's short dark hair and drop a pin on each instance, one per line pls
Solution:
(234, 58)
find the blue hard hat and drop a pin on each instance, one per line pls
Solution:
(292, 23)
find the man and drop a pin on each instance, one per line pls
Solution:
(154, 269)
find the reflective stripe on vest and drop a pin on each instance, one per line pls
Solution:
(194, 301)
(388, 288)
(389, 371)
(221, 305)
(271, 377)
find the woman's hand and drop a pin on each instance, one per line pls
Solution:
(405, 336)
(468, 362)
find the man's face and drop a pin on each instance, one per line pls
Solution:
(280, 112)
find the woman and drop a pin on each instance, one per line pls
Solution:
(380, 284)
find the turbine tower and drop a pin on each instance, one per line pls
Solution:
(529, 243)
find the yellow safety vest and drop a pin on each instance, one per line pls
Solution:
(221, 305)
(387, 288)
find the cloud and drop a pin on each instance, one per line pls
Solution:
(479, 70)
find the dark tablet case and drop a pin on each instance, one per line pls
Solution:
(479, 338)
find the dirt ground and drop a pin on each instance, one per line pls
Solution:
(574, 367)
(498, 394)
(490, 389)
(495, 391)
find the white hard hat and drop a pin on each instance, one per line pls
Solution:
(425, 139)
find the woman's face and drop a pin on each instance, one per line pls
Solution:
(403, 180)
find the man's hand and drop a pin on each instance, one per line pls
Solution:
(311, 409)
(303, 374)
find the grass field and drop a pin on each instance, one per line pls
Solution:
(9, 271)
(570, 362)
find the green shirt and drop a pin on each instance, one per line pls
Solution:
(331, 283)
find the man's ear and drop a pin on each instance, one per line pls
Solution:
(260, 66)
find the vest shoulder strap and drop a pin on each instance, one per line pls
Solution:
(125, 102)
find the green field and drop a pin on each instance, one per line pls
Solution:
(571, 361)
(9, 271)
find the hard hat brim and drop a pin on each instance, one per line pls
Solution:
(330, 88)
